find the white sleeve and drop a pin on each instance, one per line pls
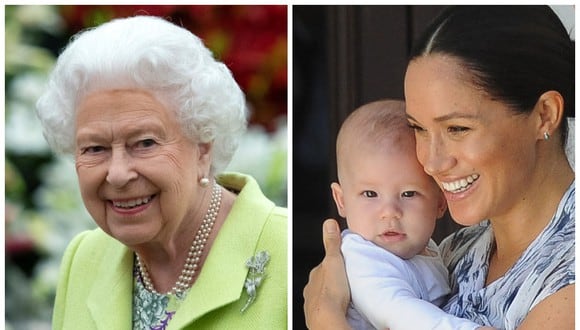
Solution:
(381, 290)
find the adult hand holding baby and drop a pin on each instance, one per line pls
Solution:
(326, 294)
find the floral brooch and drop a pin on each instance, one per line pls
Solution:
(257, 272)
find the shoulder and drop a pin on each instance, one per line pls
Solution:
(89, 263)
(84, 245)
(249, 192)
(254, 216)
(558, 239)
(566, 212)
(553, 253)
(90, 250)
(251, 202)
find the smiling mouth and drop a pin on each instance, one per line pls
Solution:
(129, 204)
(460, 185)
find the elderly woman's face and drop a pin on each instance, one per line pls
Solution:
(481, 154)
(137, 170)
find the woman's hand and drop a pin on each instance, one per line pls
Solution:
(326, 295)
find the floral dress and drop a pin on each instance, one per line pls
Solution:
(151, 311)
(546, 266)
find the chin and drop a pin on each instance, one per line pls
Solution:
(130, 236)
(465, 218)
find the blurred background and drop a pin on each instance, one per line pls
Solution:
(43, 208)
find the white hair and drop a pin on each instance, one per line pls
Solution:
(151, 54)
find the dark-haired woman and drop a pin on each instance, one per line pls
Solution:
(488, 90)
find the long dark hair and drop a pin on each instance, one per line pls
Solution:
(515, 53)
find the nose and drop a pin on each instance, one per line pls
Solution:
(391, 209)
(434, 155)
(121, 168)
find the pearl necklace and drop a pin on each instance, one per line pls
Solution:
(195, 251)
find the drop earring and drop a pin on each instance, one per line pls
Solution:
(546, 136)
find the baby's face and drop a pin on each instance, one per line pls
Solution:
(388, 199)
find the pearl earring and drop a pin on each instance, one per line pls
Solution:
(546, 136)
(204, 182)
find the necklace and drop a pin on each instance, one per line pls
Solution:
(195, 251)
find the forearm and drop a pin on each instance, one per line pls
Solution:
(409, 313)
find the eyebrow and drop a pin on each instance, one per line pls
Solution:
(135, 129)
(449, 116)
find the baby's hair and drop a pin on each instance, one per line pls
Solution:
(376, 123)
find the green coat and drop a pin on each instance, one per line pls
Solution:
(96, 282)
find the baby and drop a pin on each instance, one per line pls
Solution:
(396, 275)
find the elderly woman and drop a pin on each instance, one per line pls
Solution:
(151, 119)
(488, 90)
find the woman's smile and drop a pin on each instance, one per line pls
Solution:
(459, 190)
(131, 203)
(460, 185)
(132, 206)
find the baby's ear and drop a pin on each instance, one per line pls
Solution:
(338, 198)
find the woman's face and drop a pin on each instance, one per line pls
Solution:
(137, 171)
(480, 153)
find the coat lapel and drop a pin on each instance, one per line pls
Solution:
(223, 274)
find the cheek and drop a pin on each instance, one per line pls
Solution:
(494, 157)
(421, 148)
(424, 216)
(90, 178)
(359, 219)
(94, 205)
(181, 163)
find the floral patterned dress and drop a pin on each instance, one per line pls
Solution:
(546, 266)
(151, 311)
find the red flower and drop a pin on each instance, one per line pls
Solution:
(250, 40)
